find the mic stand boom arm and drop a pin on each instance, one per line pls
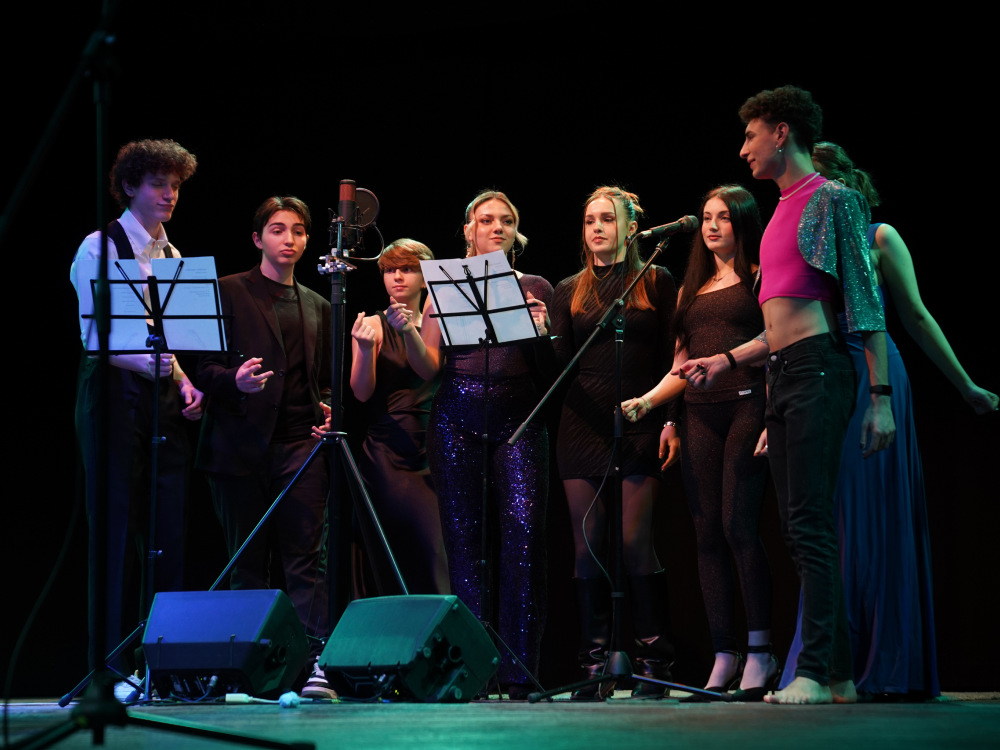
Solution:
(608, 316)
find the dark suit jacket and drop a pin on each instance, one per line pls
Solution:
(237, 426)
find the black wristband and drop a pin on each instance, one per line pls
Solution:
(732, 360)
(880, 390)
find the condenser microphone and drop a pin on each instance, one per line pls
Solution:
(686, 224)
(346, 209)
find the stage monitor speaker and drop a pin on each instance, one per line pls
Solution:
(425, 648)
(251, 641)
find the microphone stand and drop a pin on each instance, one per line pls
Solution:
(99, 708)
(485, 589)
(618, 665)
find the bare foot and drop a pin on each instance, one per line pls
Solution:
(843, 692)
(802, 690)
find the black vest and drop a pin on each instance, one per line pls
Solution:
(116, 233)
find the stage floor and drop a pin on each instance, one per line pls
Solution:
(967, 720)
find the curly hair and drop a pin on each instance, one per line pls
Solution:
(138, 158)
(585, 281)
(833, 163)
(788, 104)
(276, 203)
(404, 253)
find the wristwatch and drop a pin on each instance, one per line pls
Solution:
(880, 390)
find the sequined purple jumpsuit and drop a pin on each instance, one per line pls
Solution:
(519, 483)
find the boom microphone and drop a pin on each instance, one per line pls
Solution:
(687, 224)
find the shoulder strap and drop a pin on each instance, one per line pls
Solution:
(116, 233)
(872, 229)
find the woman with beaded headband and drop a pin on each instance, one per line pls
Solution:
(586, 433)
(393, 460)
(887, 585)
(519, 473)
(723, 481)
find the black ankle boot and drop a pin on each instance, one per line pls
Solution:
(593, 602)
(654, 653)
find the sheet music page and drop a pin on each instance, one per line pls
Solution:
(510, 326)
(189, 299)
(125, 334)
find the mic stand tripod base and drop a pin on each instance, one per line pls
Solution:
(617, 667)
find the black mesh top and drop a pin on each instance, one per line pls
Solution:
(720, 321)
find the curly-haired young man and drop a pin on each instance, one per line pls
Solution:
(813, 262)
(145, 180)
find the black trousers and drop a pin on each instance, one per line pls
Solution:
(724, 484)
(295, 529)
(812, 393)
(130, 437)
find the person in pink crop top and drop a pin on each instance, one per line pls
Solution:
(814, 260)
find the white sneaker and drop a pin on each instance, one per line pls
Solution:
(317, 685)
(125, 692)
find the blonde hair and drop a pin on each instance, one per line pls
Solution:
(585, 281)
(470, 214)
(402, 253)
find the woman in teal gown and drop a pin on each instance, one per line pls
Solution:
(880, 506)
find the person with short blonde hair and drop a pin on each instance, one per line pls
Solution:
(393, 458)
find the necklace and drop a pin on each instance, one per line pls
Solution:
(720, 278)
(786, 197)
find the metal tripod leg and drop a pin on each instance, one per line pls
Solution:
(358, 490)
(65, 700)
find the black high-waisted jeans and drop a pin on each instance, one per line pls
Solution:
(812, 386)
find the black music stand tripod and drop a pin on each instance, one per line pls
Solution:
(479, 303)
(156, 344)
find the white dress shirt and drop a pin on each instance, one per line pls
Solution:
(145, 248)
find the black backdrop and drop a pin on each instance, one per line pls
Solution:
(425, 111)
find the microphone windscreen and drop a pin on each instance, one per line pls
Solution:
(348, 190)
(690, 223)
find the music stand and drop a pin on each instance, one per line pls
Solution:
(479, 306)
(194, 325)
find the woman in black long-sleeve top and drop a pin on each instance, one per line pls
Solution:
(586, 430)
(723, 481)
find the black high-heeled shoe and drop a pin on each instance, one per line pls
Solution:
(756, 694)
(732, 682)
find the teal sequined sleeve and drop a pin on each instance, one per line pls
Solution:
(832, 238)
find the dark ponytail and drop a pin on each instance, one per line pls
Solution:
(833, 163)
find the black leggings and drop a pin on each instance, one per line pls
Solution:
(724, 484)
